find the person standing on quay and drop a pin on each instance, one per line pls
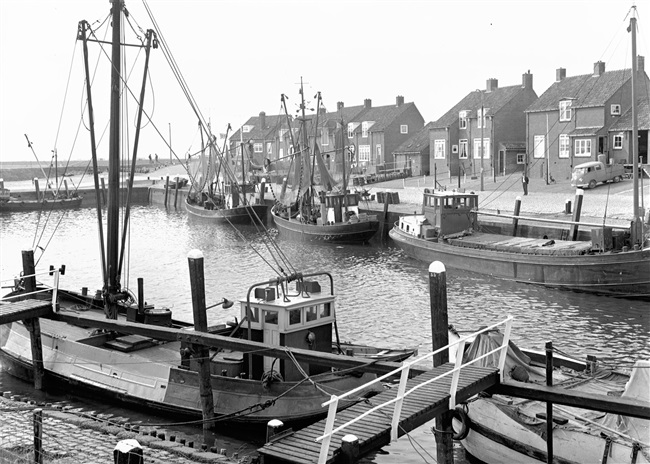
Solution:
(524, 182)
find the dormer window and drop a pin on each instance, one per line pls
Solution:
(565, 110)
(404, 129)
(480, 117)
(350, 130)
(364, 129)
(616, 109)
(247, 128)
(462, 120)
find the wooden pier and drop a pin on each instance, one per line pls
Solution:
(24, 309)
(374, 430)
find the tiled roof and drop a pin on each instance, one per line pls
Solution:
(624, 122)
(418, 142)
(382, 116)
(585, 91)
(514, 145)
(493, 101)
(585, 131)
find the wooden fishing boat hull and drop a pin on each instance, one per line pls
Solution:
(349, 232)
(496, 437)
(147, 380)
(14, 205)
(240, 215)
(621, 274)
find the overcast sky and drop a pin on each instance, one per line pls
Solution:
(239, 56)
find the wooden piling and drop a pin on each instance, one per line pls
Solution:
(549, 405)
(201, 352)
(440, 337)
(103, 191)
(65, 184)
(262, 192)
(515, 220)
(350, 449)
(38, 436)
(273, 427)
(384, 224)
(573, 230)
(37, 188)
(166, 189)
(176, 193)
(33, 324)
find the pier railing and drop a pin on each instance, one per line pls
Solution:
(403, 393)
(40, 288)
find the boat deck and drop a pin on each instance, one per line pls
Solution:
(522, 245)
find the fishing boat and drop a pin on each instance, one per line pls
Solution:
(331, 213)
(501, 428)
(615, 261)
(115, 344)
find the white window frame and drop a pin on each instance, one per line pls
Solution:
(439, 148)
(350, 130)
(462, 149)
(364, 129)
(462, 120)
(617, 142)
(539, 146)
(566, 112)
(269, 148)
(258, 147)
(364, 152)
(281, 153)
(564, 146)
(480, 117)
(246, 128)
(325, 136)
(486, 148)
(521, 158)
(378, 151)
(404, 129)
(615, 109)
(582, 148)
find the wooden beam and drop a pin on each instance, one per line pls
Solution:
(577, 399)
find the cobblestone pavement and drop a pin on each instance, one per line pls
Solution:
(71, 437)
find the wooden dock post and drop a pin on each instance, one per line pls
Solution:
(439, 338)
(38, 190)
(549, 405)
(65, 184)
(176, 193)
(273, 427)
(515, 220)
(573, 230)
(166, 189)
(38, 436)
(384, 224)
(350, 449)
(262, 191)
(103, 191)
(33, 324)
(201, 352)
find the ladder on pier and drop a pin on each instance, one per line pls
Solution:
(415, 402)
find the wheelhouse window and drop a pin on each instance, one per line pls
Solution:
(539, 146)
(325, 310)
(270, 317)
(618, 142)
(565, 110)
(404, 129)
(462, 120)
(439, 149)
(294, 316)
(311, 313)
(255, 314)
(583, 148)
(565, 146)
(462, 149)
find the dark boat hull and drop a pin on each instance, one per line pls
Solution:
(350, 232)
(622, 274)
(240, 215)
(35, 205)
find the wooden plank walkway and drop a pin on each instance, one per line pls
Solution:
(373, 431)
(24, 309)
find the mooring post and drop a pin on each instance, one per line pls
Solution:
(573, 231)
(350, 449)
(166, 189)
(262, 191)
(176, 193)
(201, 352)
(65, 184)
(384, 224)
(273, 427)
(515, 219)
(38, 436)
(549, 405)
(103, 191)
(33, 324)
(38, 190)
(440, 338)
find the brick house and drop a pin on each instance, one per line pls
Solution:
(573, 121)
(455, 138)
(413, 155)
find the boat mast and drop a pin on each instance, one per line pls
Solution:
(305, 146)
(112, 284)
(345, 185)
(637, 225)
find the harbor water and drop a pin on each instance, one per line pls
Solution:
(383, 296)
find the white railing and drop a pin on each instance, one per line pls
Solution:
(401, 391)
(54, 288)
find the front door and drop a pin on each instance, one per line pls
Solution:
(271, 336)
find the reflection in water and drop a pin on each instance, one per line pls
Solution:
(383, 295)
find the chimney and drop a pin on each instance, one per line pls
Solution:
(599, 68)
(640, 64)
(367, 103)
(262, 120)
(399, 101)
(527, 80)
(560, 73)
(339, 106)
(491, 84)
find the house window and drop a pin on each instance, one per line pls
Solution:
(583, 148)
(565, 145)
(477, 148)
(521, 158)
(364, 129)
(325, 136)
(462, 120)
(404, 129)
(257, 147)
(364, 152)
(269, 148)
(480, 117)
(565, 110)
(247, 128)
(618, 142)
(539, 146)
(616, 109)
(462, 147)
(439, 149)
(350, 130)
(281, 153)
